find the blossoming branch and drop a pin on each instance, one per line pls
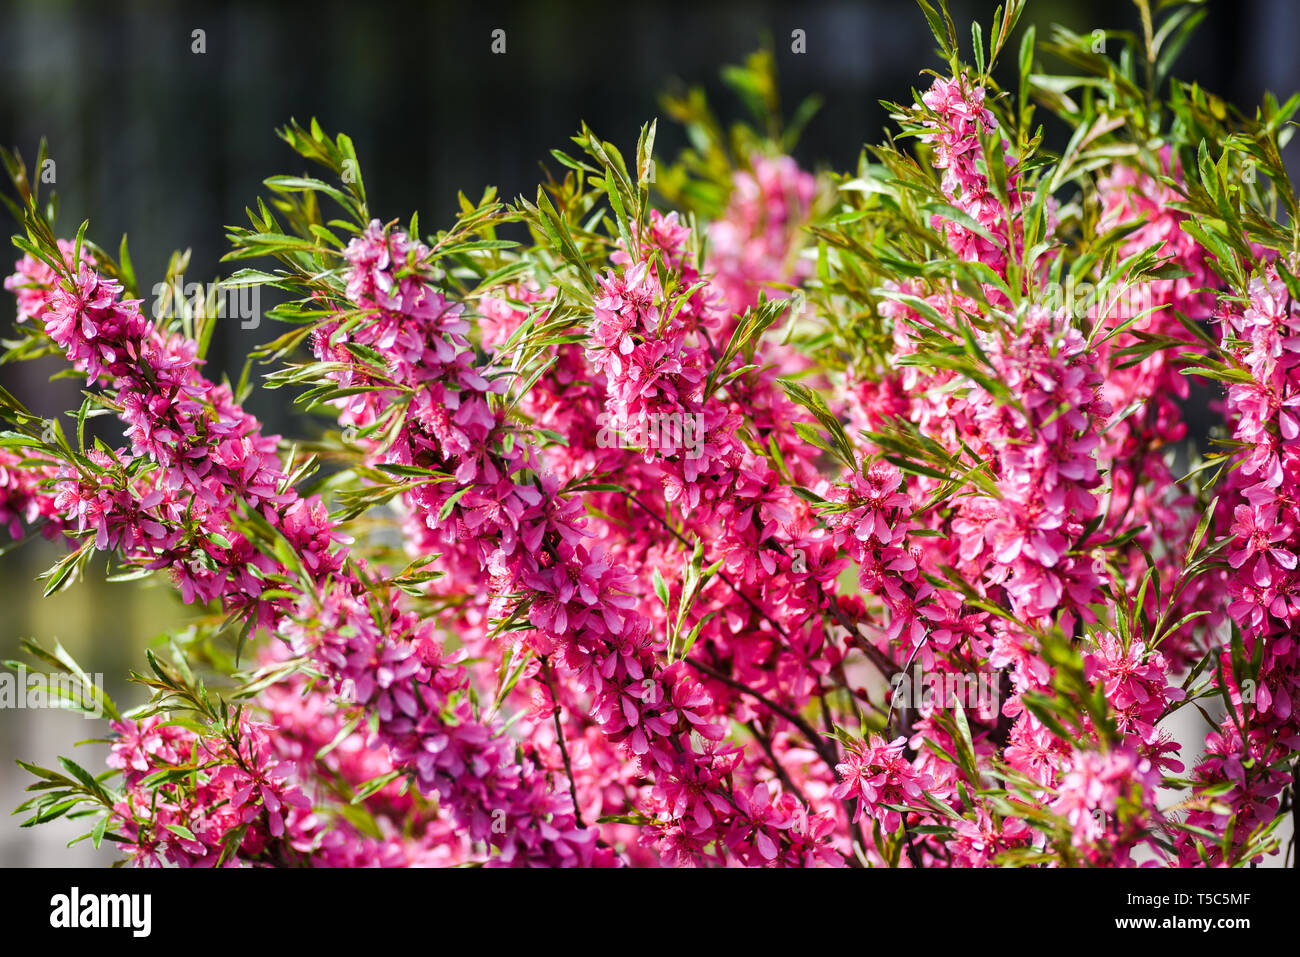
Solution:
(629, 541)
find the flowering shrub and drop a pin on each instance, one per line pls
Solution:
(815, 521)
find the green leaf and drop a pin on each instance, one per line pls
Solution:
(661, 587)
(181, 831)
(375, 784)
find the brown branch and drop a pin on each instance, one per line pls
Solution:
(766, 743)
(816, 740)
(847, 804)
(559, 735)
(681, 538)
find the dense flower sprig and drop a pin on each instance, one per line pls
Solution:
(1249, 752)
(216, 463)
(528, 539)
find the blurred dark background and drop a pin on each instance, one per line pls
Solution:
(167, 145)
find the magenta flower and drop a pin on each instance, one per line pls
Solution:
(1258, 534)
(880, 775)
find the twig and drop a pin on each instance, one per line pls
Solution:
(847, 804)
(817, 741)
(766, 744)
(559, 735)
(681, 538)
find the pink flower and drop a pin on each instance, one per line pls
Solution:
(880, 775)
(1108, 798)
(1257, 534)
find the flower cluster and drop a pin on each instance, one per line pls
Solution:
(185, 516)
(753, 245)
(532, 549)
(882, 777)
(237, 803)
(1109, 800)
(957, 118)
(1249, 752)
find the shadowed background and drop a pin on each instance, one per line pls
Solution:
(167, 145)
